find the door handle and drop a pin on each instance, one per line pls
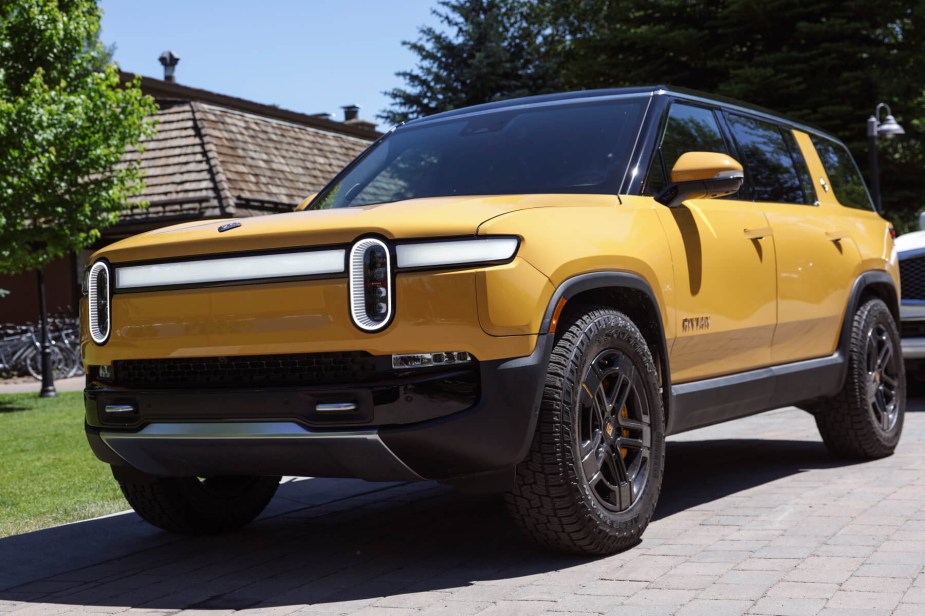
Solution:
(837, 235)
(758, 233)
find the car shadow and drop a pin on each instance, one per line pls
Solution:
(327, 540)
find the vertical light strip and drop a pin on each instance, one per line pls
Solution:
(358, 281)
(97, 272)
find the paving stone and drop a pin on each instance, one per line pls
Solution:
(734, 591)
(710, 607)
(848, 599)
(803, 590)
(787, 607)
(761, 539)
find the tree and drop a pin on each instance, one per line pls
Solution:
(65, 122)
(487, 50)
(825, 62)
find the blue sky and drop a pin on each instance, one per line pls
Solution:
(310, 56)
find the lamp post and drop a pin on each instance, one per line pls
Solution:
(887, 129)
(48, 377)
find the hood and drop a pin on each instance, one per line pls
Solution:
(416, 218)
(910, 241)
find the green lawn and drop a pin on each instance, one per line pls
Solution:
(48, 475)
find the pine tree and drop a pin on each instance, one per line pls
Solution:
(825, 62)
(486, 50)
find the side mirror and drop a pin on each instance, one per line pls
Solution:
(702, 175)
(305, 203)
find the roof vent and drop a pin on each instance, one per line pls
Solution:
(169, 61)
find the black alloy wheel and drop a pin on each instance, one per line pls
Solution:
(593, 475)
(614, 431)
(865, 419)
(882, 378)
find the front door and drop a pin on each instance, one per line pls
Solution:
(724, 263)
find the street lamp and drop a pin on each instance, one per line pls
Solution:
(887, 129)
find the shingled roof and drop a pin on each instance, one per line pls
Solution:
(217, 156)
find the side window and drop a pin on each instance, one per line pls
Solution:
(689, 129)
(843, 174)
(774, 170)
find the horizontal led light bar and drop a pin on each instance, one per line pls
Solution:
(455, 252)
(229, 269)
(423, 360)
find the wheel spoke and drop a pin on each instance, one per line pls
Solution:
(591, 459)
(882, 410)
(632, 443)
(630, 424)
(885, 354)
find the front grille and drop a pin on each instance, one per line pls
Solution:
(246, 371)
(912, 277)
(913, 329)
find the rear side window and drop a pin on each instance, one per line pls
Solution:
(689, 129)
(843, 174)
(775, 171)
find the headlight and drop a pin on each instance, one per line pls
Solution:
(456, 252)
(370, 284)
(99, 293)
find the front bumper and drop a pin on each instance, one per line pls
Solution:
(426, 427)
(912, 327)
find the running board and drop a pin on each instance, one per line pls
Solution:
(710, 401)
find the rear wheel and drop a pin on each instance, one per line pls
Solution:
(865, 419)
(196, 505)
(592, 478)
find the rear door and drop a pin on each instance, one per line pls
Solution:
(816, 255)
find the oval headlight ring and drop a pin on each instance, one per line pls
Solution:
(371, 294)
(99, 300)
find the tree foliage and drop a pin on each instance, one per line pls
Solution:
(824, 62)
(485, 50)
(65, 122)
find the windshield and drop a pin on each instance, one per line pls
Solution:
(560, 148)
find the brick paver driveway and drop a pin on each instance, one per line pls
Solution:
(755, 518)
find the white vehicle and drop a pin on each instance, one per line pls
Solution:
(911, 251)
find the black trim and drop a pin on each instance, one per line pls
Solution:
(647, 146)
(616, 280)
(702, 403)
(391, 397)
(710, 401)
(495, 435)
(433, 437)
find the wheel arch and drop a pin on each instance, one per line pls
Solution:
(629, 293)
(870, 285)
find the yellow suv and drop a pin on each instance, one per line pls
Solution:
(524, 296)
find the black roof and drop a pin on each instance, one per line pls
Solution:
(657, 90)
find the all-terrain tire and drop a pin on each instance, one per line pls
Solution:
(557, 498)
(197, 506)
(865, 419)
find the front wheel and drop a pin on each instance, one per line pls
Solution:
(593, 475)
(196, 505)
(865, 419)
